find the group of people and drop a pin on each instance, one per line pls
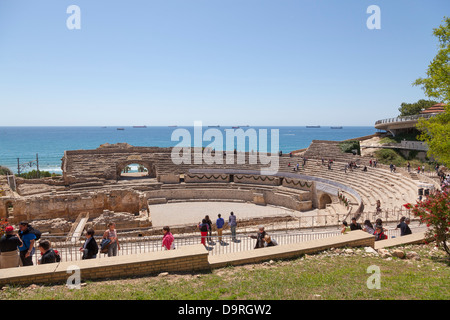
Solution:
(444, 179)
(206, 225)
(17, 248)
(378, 231)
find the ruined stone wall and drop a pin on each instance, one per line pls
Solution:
(108, 162)
(70, 205)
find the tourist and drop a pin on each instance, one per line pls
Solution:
(408, 166)
(345, 228)
(48, 254)
(375, 163)
(232, 223)
(355, 225)
(259, 237)
(9, 245)
(204, 227)
(391, 166)
(28, 239)
(378, 207)
(404, 226)
(168, 239)
(368, 227)
(209, 222)
(379, 222)
(379, 233)
(111, 235)
(219, 224)
(365, 169)
(90, 246)
(269, 242)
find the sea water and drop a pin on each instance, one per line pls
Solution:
(49, 143)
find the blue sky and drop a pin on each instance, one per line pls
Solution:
(256, 62)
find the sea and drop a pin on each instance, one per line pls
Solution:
(23, 145)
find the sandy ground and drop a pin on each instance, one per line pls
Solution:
(192, 212)
(369, 152)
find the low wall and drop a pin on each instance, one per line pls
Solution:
(183, 259)
(205, 178)
(352, 239)
(186, 258)
(296, 200)
(257, 179)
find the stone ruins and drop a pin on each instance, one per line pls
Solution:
(93, 183)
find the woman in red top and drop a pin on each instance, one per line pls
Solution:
(167, 241)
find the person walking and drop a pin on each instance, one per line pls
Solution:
(9, 249)
(219, 224)
(168, 239)
(27, 249)
(111, 235)
(233, 224)
(90, 246)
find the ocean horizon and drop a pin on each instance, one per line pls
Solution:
(50, 142)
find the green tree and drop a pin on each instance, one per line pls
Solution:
(411, 109)
(436, 130)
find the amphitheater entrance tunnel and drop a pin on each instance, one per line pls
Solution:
(324, 199)
(135, 170)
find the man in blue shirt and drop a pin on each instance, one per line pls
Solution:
(27, 249)
(219, 224)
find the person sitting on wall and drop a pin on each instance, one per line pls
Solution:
(259, 237)
(269, 242)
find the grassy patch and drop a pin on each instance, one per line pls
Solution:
(327, 275)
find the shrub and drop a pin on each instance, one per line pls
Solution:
(349, 146)
(4, 171)
(435, 213)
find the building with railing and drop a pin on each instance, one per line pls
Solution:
(401, 124)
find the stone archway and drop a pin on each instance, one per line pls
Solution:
(149, 167)
(9, 209)
(324, 200)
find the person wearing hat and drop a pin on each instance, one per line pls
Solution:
(9, 244)
(27, 249)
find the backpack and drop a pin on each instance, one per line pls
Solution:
(104, 245)
(36, 232)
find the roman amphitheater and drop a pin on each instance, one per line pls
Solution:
(93, 190)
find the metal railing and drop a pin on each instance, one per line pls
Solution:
(406, 118)
(70, 251)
